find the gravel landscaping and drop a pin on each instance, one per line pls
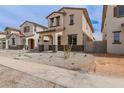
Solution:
(77, 61)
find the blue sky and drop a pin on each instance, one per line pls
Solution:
(14, 15)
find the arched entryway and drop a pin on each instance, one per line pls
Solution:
(31, 43)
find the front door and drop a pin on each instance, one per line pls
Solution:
(31, 43)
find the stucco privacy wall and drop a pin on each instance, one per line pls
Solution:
(96, 47)
(114, 24)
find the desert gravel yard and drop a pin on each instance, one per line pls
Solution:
(77, 61)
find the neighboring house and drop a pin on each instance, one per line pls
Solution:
(2, 40)
(65, 27)
(14, 38)
(30, 30)
(113, 28)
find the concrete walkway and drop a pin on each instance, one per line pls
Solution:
(63, 77)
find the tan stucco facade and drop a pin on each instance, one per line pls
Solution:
(110, 25)
(81, 27)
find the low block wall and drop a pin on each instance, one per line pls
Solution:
(96, 47)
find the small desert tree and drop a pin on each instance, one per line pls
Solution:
(68, 48)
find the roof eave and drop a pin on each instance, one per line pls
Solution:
(103, 16)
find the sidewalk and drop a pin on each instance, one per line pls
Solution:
(63, 77)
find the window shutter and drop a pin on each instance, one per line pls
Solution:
(115, 12)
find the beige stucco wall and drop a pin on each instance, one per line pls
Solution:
(73, 29)
(114, 24)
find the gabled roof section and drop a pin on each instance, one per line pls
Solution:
(36, 24)
(56, 12)
(103, 16)
(74, 8)
(11, 28)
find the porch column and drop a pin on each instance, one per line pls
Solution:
(55, 44)
(7, 45)
(41, 46)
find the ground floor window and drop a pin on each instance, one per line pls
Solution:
(72, 39)
(13, 41)
(116, 36)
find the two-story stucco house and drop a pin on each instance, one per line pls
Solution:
(113, 28)
(14, 38)
(66, 26)
(30, 31)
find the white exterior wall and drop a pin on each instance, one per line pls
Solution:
(114, 24)
(86, 28)
(32, 32)
(18, 40)
(1, 41)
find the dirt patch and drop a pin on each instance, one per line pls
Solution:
(108, 64)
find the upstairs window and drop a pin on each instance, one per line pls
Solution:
(58, 21)
(27, 29)
(72, 39)
(51, 22)
(13, 41)
(119, 11)
(71, 19)
(116, 37)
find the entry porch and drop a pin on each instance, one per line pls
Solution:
(50, 40)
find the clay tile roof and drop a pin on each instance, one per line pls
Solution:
(34, 24)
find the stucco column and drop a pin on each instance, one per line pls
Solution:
(7, 45)
(55, 43)
(41, 46)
